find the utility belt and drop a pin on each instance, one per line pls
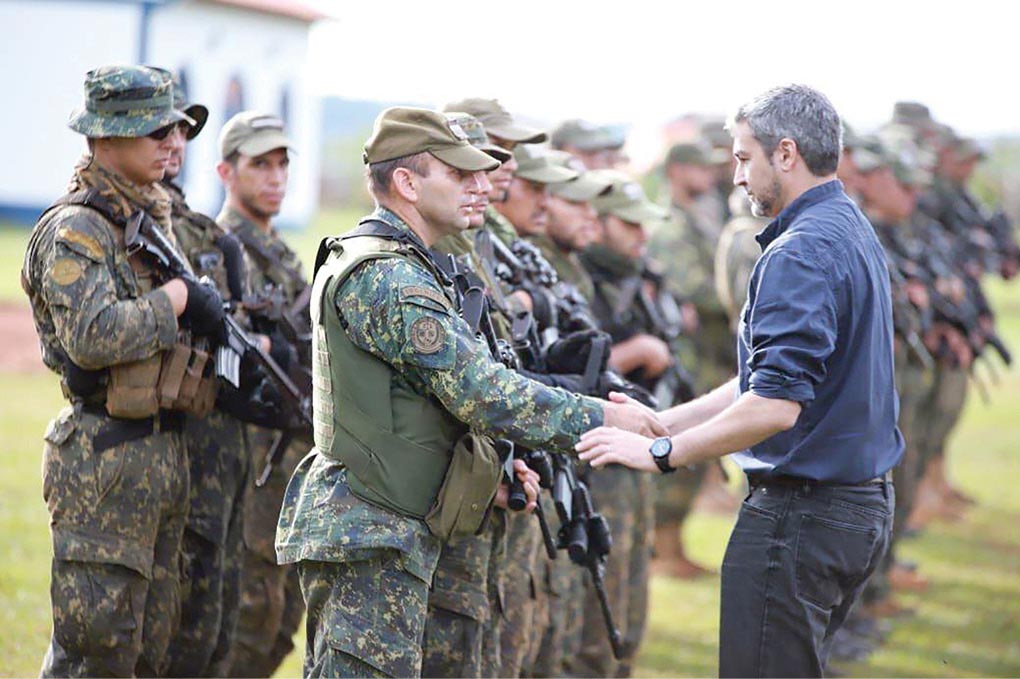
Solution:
(117, 431)
(181, 378)
(756, 479)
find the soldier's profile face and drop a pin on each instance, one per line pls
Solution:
(755, 173)
(526, 206)
(141, 160)
(572, 225)
(260, 182)
(448, 198)
(180, 141)
(625, 238)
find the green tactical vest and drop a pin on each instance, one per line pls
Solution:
(395, 443)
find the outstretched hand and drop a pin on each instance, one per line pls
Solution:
(632, 416)
(609, 445)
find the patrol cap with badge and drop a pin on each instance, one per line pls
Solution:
(584, 187)
(475, 132)
(536, 164)
(696, 153)
(404, 131)
(586, 136)
(497, 120)
(127, 101)
(626, 200)
(252, 133)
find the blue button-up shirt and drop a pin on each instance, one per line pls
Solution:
(817, 329)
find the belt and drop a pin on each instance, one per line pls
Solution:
(119, 430)
(787, 481)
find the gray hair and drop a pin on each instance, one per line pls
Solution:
(802, 114)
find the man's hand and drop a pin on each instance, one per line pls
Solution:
(608, 445)
(632, 417)
(530, 481)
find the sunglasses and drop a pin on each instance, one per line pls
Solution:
(164, 132)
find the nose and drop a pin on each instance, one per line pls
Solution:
(481, 180)
(590, 214)
(738, 175)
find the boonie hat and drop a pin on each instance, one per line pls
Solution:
(626, 200)
(252, 133)
(498, 121)
(197, 112)
(476, 135)
(403, 131)
(126, 101)
(535, 164)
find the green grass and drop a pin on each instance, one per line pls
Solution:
(968, 624)
(13, 240)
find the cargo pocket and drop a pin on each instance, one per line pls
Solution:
(380, 620)
(832, 557)
(57, 433)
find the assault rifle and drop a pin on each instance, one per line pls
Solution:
(583, 533)
(143, 235)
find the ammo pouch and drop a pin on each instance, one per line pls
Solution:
(470, 484)
(178, 379)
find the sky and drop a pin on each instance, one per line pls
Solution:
(641, 62)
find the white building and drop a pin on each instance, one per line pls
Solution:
(232, 55)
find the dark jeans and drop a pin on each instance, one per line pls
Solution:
(796, 562)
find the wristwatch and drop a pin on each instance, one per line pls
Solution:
(660, 450)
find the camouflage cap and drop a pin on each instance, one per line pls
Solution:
(586, 136)
(696, 153)
(402, 131)
(581, 189)
(497, 120)
(536, 164)
(476, 135)
(904, 161)
(251, 133)
(626, 200)
(126, 101)
(713, 131)
(199, 113)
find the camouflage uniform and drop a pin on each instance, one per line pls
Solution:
(271, 605)
(568, 266)
(734, 259)
(211, 549)
(624, 496)
(365, 570)
(116, 489)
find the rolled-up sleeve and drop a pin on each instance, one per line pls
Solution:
(793, 327)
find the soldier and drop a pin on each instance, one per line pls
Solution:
(735, 256)
(254, 164)
(211, 549)
(111, 333)
(404, 392)
(616, 264)
(599, 147)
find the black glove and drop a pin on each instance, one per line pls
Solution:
(610, 381)
(281, 350)
(570, 354)
(204, 311)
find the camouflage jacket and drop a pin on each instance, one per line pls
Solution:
(568, 266)
(90, 305)
(386, 304)
(686, 248)
(271, 262)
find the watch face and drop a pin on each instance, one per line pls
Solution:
(661, 447)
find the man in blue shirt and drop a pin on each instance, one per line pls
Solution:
(812, 412)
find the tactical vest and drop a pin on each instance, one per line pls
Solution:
(180, 378)
(396, 444)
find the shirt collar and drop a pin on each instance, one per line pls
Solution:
(812, 196)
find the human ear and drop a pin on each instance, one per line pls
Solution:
(786, 154)
(404, 184)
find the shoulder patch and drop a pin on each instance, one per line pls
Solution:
(427, 335)
(66, 271)
(428, 293)
(90, 244)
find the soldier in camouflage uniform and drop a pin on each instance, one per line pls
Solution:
(598, 147)
(115, 475)
(211, 548)
(253, 169)
(736, 255)
(390, 335)
(625, 498)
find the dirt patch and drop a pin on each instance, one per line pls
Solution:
(19, 345)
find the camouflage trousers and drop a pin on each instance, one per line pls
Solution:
(365, 618)
(520, 593)
(624, 497)
(211, 551)
(117, 499)
(941, 411)
(459, 608)
(562, 614)
(271, 605)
